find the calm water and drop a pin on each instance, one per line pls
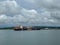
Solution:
(41, 37)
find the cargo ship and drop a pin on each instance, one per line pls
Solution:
(19, 28)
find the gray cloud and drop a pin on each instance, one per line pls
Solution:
(11, 12)
(9, 7)
(51, 6)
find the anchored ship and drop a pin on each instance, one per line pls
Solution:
(19, 28)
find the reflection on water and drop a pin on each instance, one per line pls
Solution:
(41, 37)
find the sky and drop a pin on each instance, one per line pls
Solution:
(29, 12)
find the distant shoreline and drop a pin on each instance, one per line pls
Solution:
(34, 27)
(6, 29)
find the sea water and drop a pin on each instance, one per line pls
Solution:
(37, 37)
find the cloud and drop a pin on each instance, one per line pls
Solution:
(9, 19)
(13, 13)
(9, 7)
(51, 6)
(30, 1)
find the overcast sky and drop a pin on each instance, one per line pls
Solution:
(30, 12)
